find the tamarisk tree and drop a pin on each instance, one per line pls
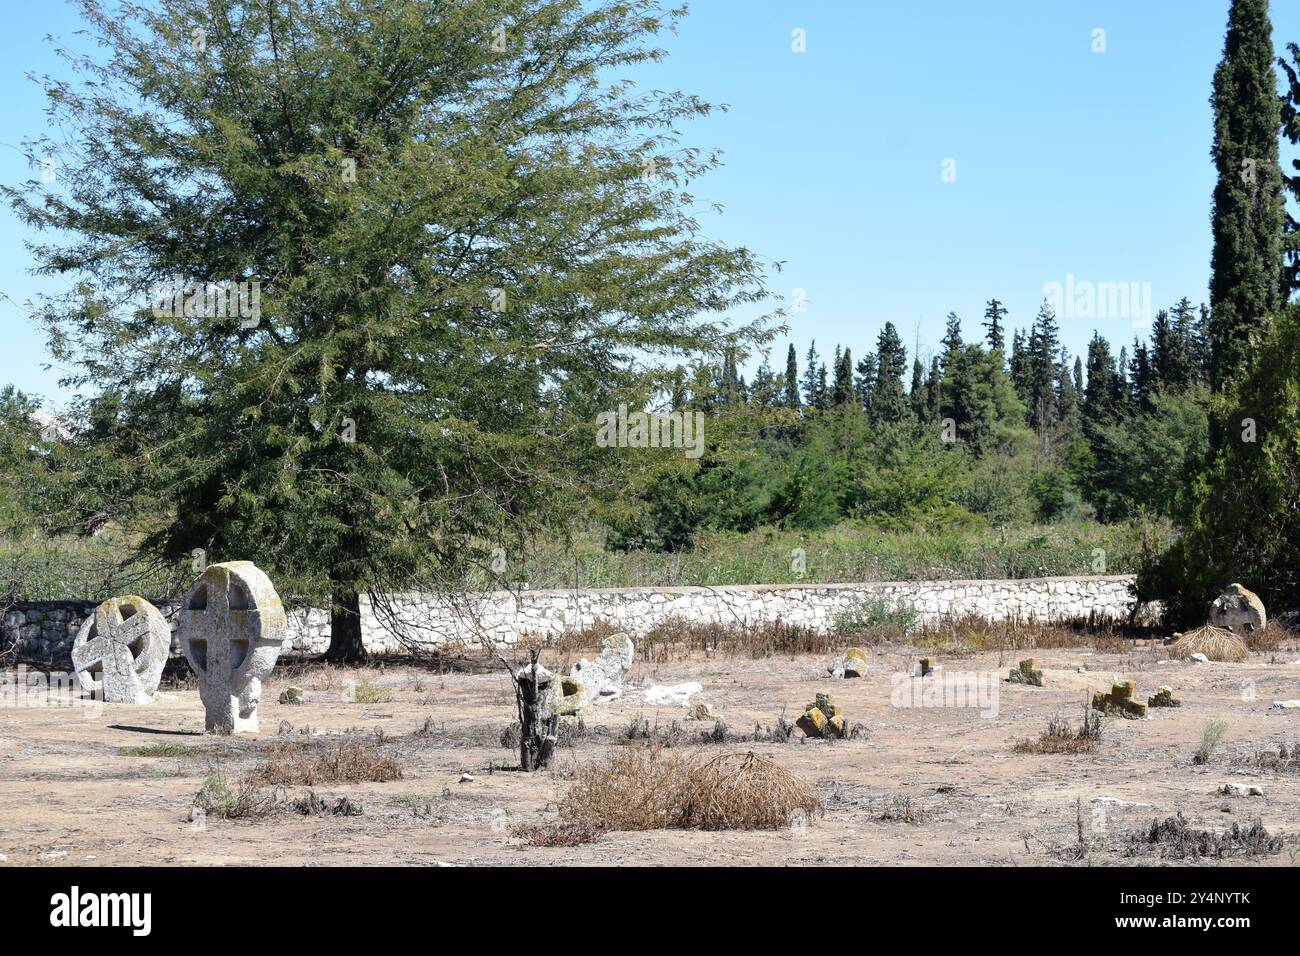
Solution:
(349, 280)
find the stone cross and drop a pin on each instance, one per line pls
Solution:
(231, 625)
(121, 649)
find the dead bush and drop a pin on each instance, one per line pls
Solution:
(1283, 760)
(233, 800)
(900, 809)
(1173, 838)
(555, 833)
(1061, 737)
(313, 804)
(1272, 638)
(349, 761)
(655, 789)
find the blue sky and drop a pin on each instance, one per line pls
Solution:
(1068, 162)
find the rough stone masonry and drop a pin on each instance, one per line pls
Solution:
(45, 631)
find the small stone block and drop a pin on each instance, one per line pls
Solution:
(813, 722)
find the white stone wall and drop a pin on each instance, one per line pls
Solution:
(504, 617)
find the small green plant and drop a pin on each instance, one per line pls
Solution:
(1210, 737)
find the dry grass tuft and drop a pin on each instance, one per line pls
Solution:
(367, 693)
(654, 789)
(555, 833)
(349, 761)
(1215, 643)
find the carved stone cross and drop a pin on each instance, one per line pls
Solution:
(121, 649)
(231, 625)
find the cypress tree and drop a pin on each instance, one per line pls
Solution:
(1247, 275)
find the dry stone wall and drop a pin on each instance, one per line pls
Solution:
(45, 630)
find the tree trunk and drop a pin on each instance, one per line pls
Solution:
(345, 628)
(539, 727)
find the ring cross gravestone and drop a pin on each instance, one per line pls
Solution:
(231, 625)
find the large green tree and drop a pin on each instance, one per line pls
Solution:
(471, 236)
(1247, 278)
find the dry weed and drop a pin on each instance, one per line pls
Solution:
(655, 789)
(349, 761)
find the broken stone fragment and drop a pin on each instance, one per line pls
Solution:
(570, 696)
(703, 712)
(1027, 673)
(1238, 610)
(1164, 697)
(1120, 699)
(1123, 690)
(852, 664)
(1241, 790)
(291, 695)
(604, 677)
(1133, 708)
(813, 722)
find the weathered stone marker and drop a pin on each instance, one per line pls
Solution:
(121, 649)
(1238, 610)
(231, 626)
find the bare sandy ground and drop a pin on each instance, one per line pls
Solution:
(73, 793)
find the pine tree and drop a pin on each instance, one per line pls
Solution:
(934, 392)
(1247, 275)
(763, 392)
(1043, 374)
(1101, 393)
(791, 379)
(1019, 367)
(1180, 368)
(888, 400)
(866, 379)
(916, 395)
(842, 391)
(951, 340)
(994, 313)
(813, 380)
(1141, 379)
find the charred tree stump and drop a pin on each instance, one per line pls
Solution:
(538, 722)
